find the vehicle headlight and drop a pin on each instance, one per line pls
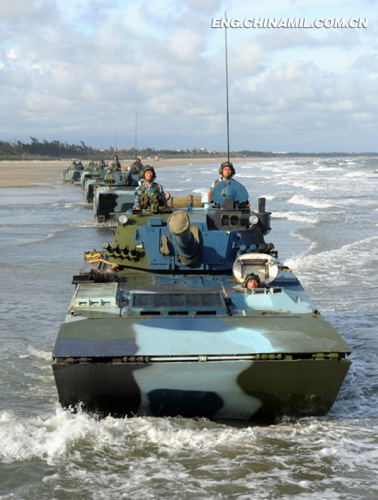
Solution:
(253, 220)
(122, 219)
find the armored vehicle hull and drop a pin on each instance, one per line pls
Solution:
(115, 195)
(148, 351)
(73, 173)
(163, 322)
(89, 183)
(89, 188)
(109, 200)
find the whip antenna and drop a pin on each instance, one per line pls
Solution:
(136, 132)
(228, 117)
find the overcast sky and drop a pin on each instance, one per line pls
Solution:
(96, 70)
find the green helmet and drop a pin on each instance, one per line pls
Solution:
(145, 169)
(227, 164)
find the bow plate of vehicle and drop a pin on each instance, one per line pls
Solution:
(115, 195)
(164, 321)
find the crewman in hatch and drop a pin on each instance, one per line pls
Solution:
(227, 171)
(115, 164)
(148, 192)
(137, 166)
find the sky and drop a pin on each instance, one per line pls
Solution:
(127, 73)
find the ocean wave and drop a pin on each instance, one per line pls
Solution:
(270, 197)
(299, 199)
(342, 274)
(39, 354)
(351, 252)
(306, 217)
(255, 176)
(51, 435)
(308, 185)
(67, 204)
(361, 173)
(207, 460)
(201, 191)
(326, 168)
(40, 437)
(356, 255)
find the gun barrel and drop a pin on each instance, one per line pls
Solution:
(179, 226)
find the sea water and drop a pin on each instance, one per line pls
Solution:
(324, 226)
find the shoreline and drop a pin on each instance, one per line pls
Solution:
(32, 173)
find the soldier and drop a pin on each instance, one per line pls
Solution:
(115, 164)
(137, 166)
(251, 281)
(102, 163)
(226, 171)
(90, 165)
(148, 192)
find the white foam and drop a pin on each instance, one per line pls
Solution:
(306, 217)
(39, 354)
(350, 253)
(308, 185)
(360, 174)
(299, 199)
(347, 274)
(325, 168)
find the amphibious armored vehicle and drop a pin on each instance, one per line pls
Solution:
(189, 312)
(90, 182)
(73, 173)
(87, 173)
(115, 195)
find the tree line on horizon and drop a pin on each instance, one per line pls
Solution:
(55, 150)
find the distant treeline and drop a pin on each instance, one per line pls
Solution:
(55, 150)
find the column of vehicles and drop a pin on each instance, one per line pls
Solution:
(189, 312)
(108, 187)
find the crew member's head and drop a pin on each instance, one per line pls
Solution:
(148, 173)
(227, 170)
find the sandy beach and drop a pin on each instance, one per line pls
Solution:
(32, 173)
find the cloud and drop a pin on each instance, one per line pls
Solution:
(81, 70)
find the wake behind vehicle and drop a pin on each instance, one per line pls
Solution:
(189, 312)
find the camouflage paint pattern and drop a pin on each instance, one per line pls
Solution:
(163, 335)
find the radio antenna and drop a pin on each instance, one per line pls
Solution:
(136, 132)
(228, 116)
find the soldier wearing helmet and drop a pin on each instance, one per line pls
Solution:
(227, 171)
(149, 193)
(101, 163)
(115, 164)
(137, 166)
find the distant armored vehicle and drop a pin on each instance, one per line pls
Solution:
(73, 173)
(115, 196)
(90, 182)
